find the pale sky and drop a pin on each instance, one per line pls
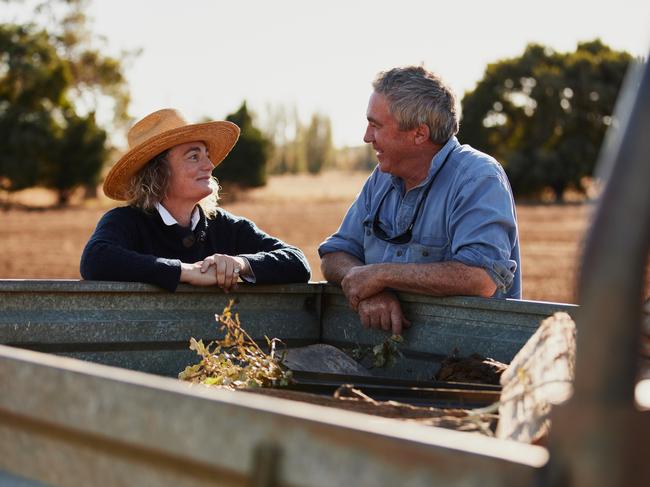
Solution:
(205, 56)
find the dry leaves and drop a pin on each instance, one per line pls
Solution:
(236, 361)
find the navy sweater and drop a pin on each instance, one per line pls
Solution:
(131, 245)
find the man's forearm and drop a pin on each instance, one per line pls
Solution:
(436, 279)
(336, 265)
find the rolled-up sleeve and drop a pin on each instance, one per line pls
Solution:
(484, 230)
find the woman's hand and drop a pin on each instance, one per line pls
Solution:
(191, 274)
(227, 269)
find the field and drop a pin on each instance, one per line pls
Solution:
(302, 210)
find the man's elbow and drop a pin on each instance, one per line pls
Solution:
(324, 269)
(485, 286)
(487, 290)
(326, 263)
(334, 266)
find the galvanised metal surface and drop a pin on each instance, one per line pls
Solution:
(144, 328)
(71, 423)
(141, 327)
(491, 327)
(85, 424)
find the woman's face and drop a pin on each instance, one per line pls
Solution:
(191, 172)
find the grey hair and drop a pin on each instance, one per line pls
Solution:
(416, 96)
(149, 186)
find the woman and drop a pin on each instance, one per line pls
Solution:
(172, 230)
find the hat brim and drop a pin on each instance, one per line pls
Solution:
(219, 137)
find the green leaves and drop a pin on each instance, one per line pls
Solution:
(246, 163)
(384, 354)
(544, 114)
(44, 140)
(52, 79)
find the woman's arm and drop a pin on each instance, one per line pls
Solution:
(271, 260)
(109, 255)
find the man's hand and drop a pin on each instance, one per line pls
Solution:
(383, 311)
(361, 282)
(226, 267)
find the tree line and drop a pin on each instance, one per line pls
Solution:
(51, 81)
(543, 115)
(283, 145)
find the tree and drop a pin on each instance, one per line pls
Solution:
(246, 163)
(297, 147)
(44, 141)
(78, 156)
(286, 133)
(356, 158)
(544, 114)
(318, 143)
(50, 85)
(33, 80)
(94, 77)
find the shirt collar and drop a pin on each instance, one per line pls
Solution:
(169, 220)
(437, 160)
(440, 156)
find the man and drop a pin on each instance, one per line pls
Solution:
(434, 217)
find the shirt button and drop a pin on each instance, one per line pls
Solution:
(399, 253)
(368, 232)
(425, 253)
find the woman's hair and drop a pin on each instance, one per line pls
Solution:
(150, 184)
(416, 96)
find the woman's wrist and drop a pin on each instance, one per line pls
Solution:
(186, 272)
(244, 266)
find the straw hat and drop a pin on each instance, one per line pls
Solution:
(160, 131)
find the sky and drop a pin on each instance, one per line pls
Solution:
(205, 57)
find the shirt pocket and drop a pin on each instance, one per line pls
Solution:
(374, 249)
(429, 250)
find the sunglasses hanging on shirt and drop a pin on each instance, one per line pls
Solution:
(406, 236)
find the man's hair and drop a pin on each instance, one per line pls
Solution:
(150, 185)
(416, 96)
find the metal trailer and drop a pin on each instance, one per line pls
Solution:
(86, 422)
(72, 422)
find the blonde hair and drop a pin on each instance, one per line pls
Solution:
(149, 185)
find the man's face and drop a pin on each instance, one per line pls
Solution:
(191, 172)
(391, 144)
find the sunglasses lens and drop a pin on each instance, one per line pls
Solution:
(402, 238)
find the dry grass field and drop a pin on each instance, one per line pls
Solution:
(302, 210)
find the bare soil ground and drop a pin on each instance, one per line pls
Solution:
(302, 210)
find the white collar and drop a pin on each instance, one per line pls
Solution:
(169, 220)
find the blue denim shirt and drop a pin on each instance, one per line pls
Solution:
(469, 216)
